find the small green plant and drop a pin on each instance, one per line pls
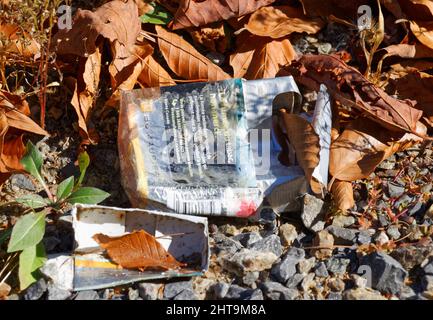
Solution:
(27, 233)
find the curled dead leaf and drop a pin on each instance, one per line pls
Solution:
(212, 37)
(280, 21)
(306, 143)
(349, 87)
(362, 146)
(200, 13)
(15, 40)
(137, 250)
(185, 60)
(342, 193)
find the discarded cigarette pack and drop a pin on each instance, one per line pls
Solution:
(208, 148)
(184, 237)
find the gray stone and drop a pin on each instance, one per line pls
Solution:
(427, 282)
(305, 265)
(343, 236)
(276, 291)
(417, 209)
(269, 244)
(172, 289)
(337, 265)
(247, 239)
(381, 238)
(219, 290)
(383, 219)
(313, 213)
(57, 293)
(343, 221)
(286, 268)
(288, 234)
(308, 282)
(236, 292)
(36, 290)
(407, 293)
(412, 255)
(250, 278)
(387, 273)
(226, 244)
(321, 271)
(428, 266)
(394, 190)
(247, 261)
(359, 281)
(22, 182)
(149, 291)
(228, 230)
(187, 294)
(393, 232)
(362, 294)
(295, 280)
(87, 295)
(133, 294)
(334, 296)
(404, 201)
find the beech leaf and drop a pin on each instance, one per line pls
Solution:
(137, 250)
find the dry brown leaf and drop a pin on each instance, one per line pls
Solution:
(306, 143)
(409, 51)
(348, 86)
(117, 21)
(212, 37)
(15, 40)
(342, 193)
(280, 21)
(185, 60)
(14, 121)
(193, 13)
(259, 57)
(5, 289)
(362, 146)
(153, 74)
(137, 250)
(423, 31)
(342, 9)
(421, 10)
(86, 90)
(417, 86)
(124, 72)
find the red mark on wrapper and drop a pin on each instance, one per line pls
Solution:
(246, 209)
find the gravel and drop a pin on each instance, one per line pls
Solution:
(236, 292)
(247, 239)
(149, 291)
(87, 295)
(343, 236)
(387, 274)
(172, 289)
(268, 244)
(36, 290)
(276, 291)
(313, 213)
(285, 269)
(288, 234)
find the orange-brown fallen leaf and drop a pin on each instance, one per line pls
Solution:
(348, 86)
(153, 74)
(137, 250)
(423, 31)
(18, 41)
(417, 86)
(199, 13)
(86, 90)
(185, 60)
(280, 21)
(14, 122)
(306, 143)
(342, 193)
(342, 9)
(212, 37)
(117, 21)
(260, 57)
(5, 289)
(363, 145)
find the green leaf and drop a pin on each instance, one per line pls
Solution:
(5, 235)
(33, 201)
(27, 232)
(83, 163)
(65, 188)
(88, 195)
(158, 16)
(31, 259)
(32, 161)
